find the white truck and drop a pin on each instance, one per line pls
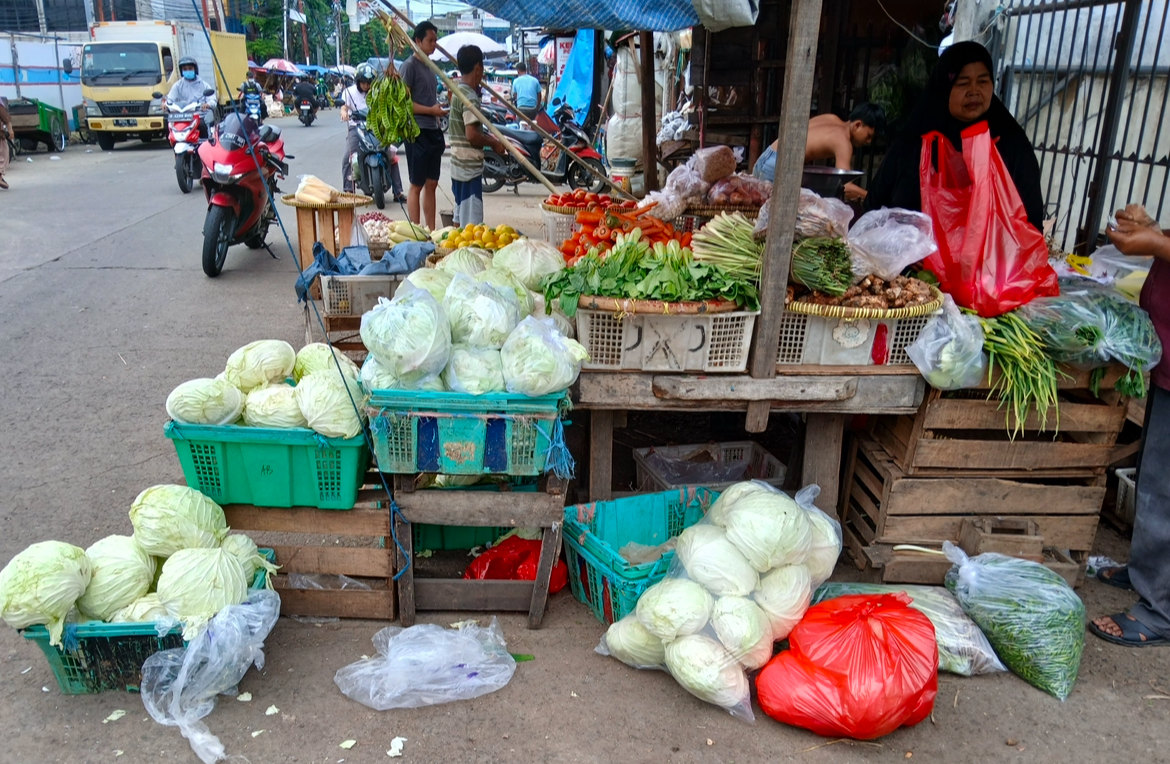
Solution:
(126, 61)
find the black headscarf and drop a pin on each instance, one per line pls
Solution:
(896, 183)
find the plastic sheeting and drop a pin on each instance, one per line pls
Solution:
(660, 16)
(576, 84)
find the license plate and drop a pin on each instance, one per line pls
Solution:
(125, 123)
(304, 107)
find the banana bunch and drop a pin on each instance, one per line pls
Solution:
(391, 112)
(404, 230)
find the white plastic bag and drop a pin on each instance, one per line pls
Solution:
(887, 240)
(426, 665)
(949, 349)
(818, 216)
(179, 686)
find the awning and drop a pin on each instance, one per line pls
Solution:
(656, 16)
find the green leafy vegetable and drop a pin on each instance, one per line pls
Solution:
(122, 572)
(823, 264)
(1027, 374)
(167, 518)
(41, 584)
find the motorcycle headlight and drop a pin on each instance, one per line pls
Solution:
(222, 173)
(92, 109)
(156, 108)
(181, 135)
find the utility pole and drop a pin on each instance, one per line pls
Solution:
(286, 29)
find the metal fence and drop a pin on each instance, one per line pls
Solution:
(1089, 80)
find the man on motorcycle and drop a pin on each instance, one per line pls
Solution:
(353, 99)
(189, 89)
(305, 90)
(251, 87)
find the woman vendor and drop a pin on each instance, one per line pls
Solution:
(958, 95)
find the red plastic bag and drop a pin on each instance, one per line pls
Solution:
(990, 258)
(859, 666)
(515, 559)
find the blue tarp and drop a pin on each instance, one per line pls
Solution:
(656, 15)
(576, 84)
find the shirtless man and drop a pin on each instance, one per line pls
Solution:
(830, 137)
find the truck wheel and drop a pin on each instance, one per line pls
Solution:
(105, 141)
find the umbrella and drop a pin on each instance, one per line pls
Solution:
(453, 42)
(282, 65)
(344, 69)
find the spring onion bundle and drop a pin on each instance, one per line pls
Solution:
(823, 264)
(1027, 374)
(727, 242)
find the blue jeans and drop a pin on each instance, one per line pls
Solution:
(468, 201)
(765, 168)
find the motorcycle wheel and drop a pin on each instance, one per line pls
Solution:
(492, 183)
(217, 237)
(378, 186)
(579, 178)
(186, 182)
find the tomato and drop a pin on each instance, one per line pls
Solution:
(579, 193)
(605, 199)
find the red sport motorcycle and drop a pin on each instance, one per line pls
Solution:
(240, 166)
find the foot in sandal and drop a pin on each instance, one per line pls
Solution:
(1124, 629)
(1115, 576)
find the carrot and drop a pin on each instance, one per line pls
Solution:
(646, 208)
(587, 217)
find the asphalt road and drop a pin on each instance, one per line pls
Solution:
(104, 309)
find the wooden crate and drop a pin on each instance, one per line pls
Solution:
(368, 520)
(891, 566)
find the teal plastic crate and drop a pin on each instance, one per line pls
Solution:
(267, 467)
(602, 579)
(461, 434)
(109, 656)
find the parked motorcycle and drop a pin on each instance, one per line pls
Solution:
(240, 166)
(371, 162)
(554, 163)
(306, 111)
(183, 133)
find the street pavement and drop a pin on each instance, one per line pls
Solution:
(104, 309)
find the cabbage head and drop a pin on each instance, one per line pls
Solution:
(674, 607)
(713, 561)
(744, 630)
(432, 280)
(197, 583)
(464, 261)
(530, 261)
(318, 356)
(409, 335)
(41, 584)
(564, 325)
(708, 671)
(205, 401)
(260, 363)
(244, 549)
(502, 279)
(539, 360)
(328, 405)
(375, 377)
(143, 609)
(474, 370)
(481, 314)
(630, 642)
(274, 406)
(770, 529)
(733, 493)
(784, 595)
(122, 572)
(825, 547)
(167, 518)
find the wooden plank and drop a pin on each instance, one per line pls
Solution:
(330, 603)
(480, 508)
(851, 465)
(1123, 452)
(743, 388)
(405, 560)
(866, 504)
(990, 496)
(1061, 531)
(823, 437)
(958, 414)
(915, 569)
(600, 455)
(306, 237)
(360, 521)
(649, 111)
(335, 560)
(851, 542)
(860, 526)
(457, 594)
(1006, 455)
(550, 552)
(868, 478)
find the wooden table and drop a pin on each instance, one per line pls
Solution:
(827, 395)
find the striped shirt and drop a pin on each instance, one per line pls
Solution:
(466, 160)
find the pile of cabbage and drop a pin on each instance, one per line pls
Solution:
(268, 384)
(473, 325)
(181, 566)
(741, 579)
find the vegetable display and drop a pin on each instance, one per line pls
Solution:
(602, 230)
(727, 242)
(260, 363)
(410, 336)
(333, 406)
(740, 190)
(538, 360)
(480, 236)
(582, 200)
(197, 583)
(530, 261)
(381, 229)
(167, 518)
(275, 406)
(205, 401)
(823, 265)
(480, 314)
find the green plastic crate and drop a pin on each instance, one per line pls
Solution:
(461, 434)
(602, 579)
(109, 656)
(268, 467)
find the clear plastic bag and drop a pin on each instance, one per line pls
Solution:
(887, 240)
(962, 648)
(686, 182)
(426, 665)
(713, 163)
(740, 190)
(819, 217)
(1030, 615)
(179, 686)
(949, 349)
(668, 204)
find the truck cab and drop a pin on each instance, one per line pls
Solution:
(117, 79)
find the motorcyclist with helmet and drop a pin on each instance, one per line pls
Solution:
(189, 88)
(305, 90)
(252, 87)
(353, 99)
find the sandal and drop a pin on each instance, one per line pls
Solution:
(3, 183)
(1118, 577)
(1134, 633)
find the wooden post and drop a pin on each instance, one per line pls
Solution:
(649, 111)
(824, 434)
(600, 455)
(799, 72)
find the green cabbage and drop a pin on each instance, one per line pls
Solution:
(674, 607)
(244, 549)
(409, 335)
(708, 671)
(464, 261)
(474, 370)
(274, 406)
(122, 572)
(539, 360)
(328, 404)
(502, 279)
(167, 518)
(205, 401)
(733, 493)
(744, 630)
(41, 584)
(432, 280)
(481, 315)
(564, 324)
(146, 608)
(825, 547)
(197, 583)
(317, 356)
(784, 595)
(630, 642)
(714, 562)
(260, 363)
(530, 261)
(769, 528)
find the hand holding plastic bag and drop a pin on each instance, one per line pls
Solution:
(885, 241)
(949, 350)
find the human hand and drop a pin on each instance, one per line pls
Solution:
(1136, 214)
(1139, 240)
(854, 193)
